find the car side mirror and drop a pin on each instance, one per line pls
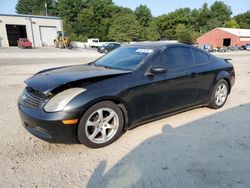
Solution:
(158, 69)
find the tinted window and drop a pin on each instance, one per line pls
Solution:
(178, 57)
(126, 58)
(200, 57)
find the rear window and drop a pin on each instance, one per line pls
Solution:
(200, 57)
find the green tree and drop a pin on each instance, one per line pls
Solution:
(36, 7)
(203, 15)
(183, 34)
(124, 28)
(143, 15)
(89, 18)
(232, 24)
(243, 20)
(86, 23)
(213, 23)
(69, 9)
(167, 23)
(221, 12)
(151, 32)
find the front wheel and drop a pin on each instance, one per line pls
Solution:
(100, 125)
(220, 94)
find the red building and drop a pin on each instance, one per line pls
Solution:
(220, 37)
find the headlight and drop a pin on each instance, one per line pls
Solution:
(60, 100)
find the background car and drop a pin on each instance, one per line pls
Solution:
(24, 43)
(95, 103)
(248, 47)
(107, 47)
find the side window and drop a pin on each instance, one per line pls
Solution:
(177, 57)
(200, 57)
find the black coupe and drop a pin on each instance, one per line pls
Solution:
(108, 47)
(95, 103)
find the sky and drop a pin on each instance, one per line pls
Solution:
(157, 7)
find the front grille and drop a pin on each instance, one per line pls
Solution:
(31, 98)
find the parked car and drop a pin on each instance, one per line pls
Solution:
(94, 43)
(244, 47)
(248, 47)
(93, 104)
(107, 47)
(24, 43)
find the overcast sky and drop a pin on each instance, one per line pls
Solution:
(157, 7)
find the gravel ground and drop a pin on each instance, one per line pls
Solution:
(198, 148)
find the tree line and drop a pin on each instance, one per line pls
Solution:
(107, 21)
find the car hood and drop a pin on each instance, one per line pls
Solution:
(48, 80)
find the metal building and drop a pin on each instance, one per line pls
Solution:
(220, 37)
(40, 30)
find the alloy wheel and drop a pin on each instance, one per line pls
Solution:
(102, 125)
(221, 94)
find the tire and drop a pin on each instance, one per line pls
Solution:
(219, 95)
(61, 45)
(92, 128)
(70, 46)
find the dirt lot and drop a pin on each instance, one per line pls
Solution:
(198, 148)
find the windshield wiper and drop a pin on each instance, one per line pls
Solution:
(105, 66)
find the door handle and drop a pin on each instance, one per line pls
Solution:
(193, 74)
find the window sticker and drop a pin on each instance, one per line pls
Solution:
(147, 51)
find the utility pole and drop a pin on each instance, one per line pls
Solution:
(46, 10)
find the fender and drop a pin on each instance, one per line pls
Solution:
(223, 75)
(229, 76)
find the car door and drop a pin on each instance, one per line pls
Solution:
(204, 69)
(174, 89)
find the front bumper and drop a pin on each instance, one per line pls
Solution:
(49, 126)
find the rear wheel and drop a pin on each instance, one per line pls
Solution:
(100, 125)
(220, 94)
(70, 46)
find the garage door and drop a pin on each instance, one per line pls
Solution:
(48, 34)
(14, 32)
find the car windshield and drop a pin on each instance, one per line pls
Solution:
(127, 58)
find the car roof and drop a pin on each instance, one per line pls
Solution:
(156, 45)
(159, 44)
(112, 43)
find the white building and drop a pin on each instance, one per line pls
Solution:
(40, 30)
